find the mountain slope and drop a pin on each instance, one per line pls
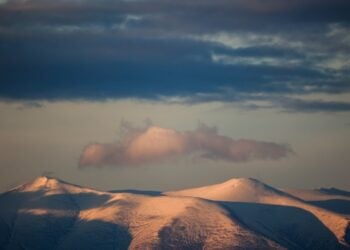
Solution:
(241, 214)
(239, 194)
(332, 199)
(51, 214)
(319, 194)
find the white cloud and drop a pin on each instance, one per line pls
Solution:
(254, 60)
(335, 62)
(240, 40)
(154, 143)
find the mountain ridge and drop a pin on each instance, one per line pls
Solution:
(255, 215)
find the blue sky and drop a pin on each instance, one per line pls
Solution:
(252, 58)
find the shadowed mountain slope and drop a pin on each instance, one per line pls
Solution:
(241, 214)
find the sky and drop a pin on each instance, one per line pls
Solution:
(161, 95)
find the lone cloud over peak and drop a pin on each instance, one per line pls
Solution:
(155, 143)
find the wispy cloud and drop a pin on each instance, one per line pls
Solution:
(154, 144)
(30, 105)
(306, 102)
(310, 106)
(254, 60)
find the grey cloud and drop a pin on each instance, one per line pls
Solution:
(30, 105)
(179, 17)
(252, 101)
(299, 105)
(146, 49)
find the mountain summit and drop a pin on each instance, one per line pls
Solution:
(237, 189)
(241, 213)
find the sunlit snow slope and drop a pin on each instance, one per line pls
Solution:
(239, 214)
(292, 221)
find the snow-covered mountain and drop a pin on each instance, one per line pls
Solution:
(332, 199)
(238, 214)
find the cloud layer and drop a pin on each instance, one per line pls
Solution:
(154, 144)
(96, 50)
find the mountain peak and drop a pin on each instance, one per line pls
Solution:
(236, 189)
(42, 182)
(42, 178)
(243, 180)
(247, 183)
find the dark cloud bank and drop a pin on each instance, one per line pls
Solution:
(96, 50)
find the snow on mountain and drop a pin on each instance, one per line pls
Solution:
(51, 214)
(332, 199)
(239, 189)
(319, 194)
(241, 214)
(239, 194)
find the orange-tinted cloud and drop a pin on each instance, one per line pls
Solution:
(156, 144)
